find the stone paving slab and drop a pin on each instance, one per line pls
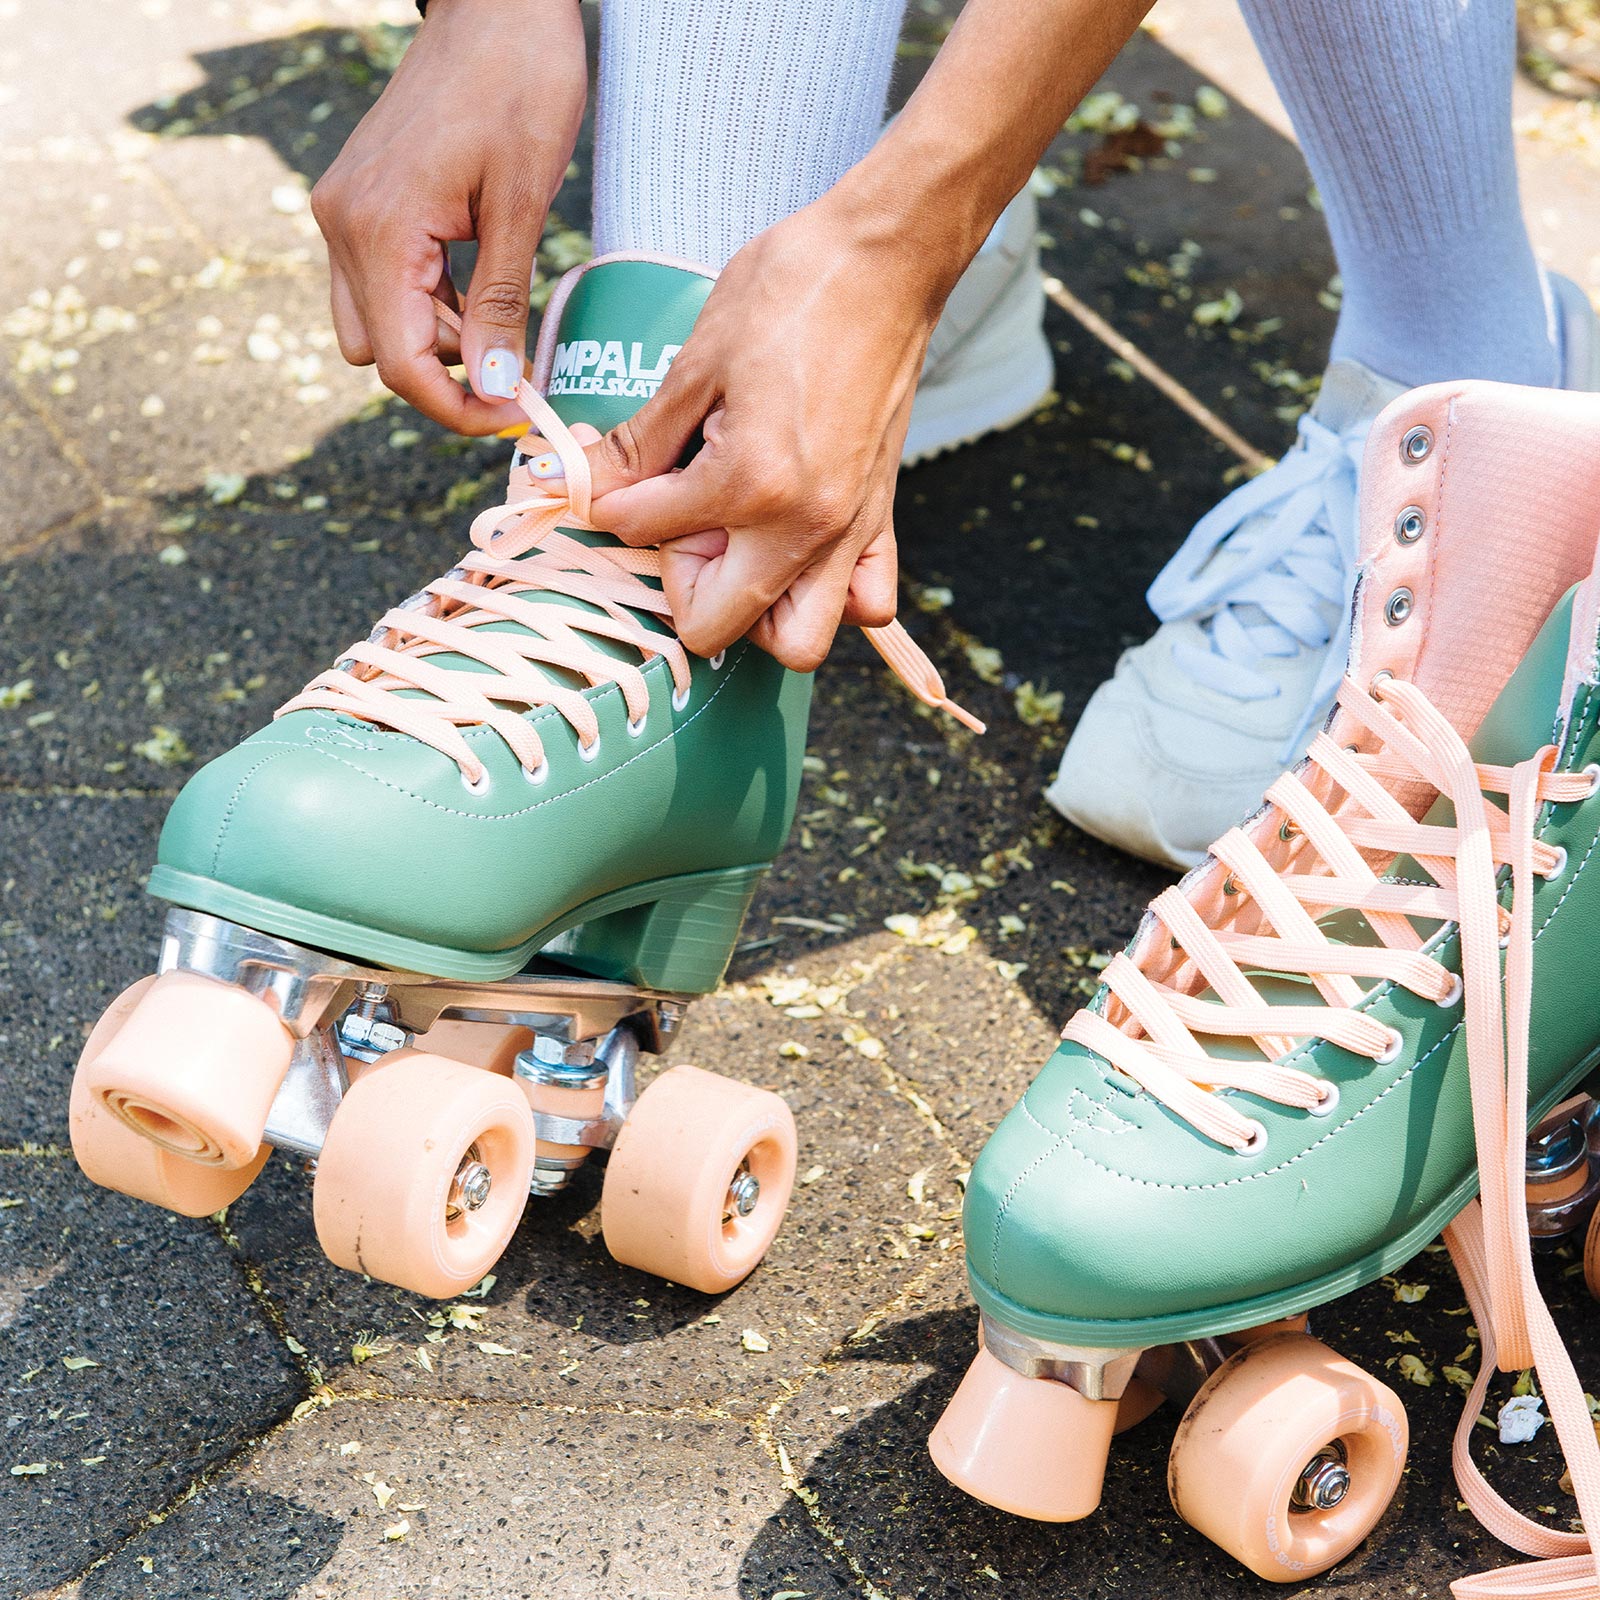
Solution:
(75, 930)
(182, 1366)
(585, 1331)
(39, 481)
(517, 1503)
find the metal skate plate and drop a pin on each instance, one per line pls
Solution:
(1096, 1373)
(575, 1019)
(1177, 1370)
(310, 989)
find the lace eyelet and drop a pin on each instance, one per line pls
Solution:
(1592, 773)
(1383, 675)
(1288, 831)
(1258, 1141)
(1452, 996)
(478, 785)
(636, 729)
(718, 659)
(1330, 1098)
(589, 752)
(1391, 1051)
(680, 699)
(1558, 866)
(538, 774)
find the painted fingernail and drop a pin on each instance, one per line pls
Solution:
(499, 374)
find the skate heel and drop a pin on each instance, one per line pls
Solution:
(677, 934)
(1032, 1446)
(193, 1069)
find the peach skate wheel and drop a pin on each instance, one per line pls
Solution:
(424, 1173)
(1031, 1446)
(695, 1151)
(1288, 1457)
(112, 1155)
(193, 1068)
(1139, 1400)
(1591, 1255)
(490, 1045)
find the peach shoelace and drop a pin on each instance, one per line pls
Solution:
(1158, 1040)
(521, 552)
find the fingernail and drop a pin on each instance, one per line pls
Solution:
(500, 374)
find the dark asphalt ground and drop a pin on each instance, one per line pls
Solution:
(202, 504)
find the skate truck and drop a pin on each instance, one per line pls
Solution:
(425, 924)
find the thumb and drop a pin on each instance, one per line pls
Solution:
(649, 444)
(494, 322)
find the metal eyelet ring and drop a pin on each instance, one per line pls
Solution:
(636, 729)
(1230, 884)
(1592, 773)
(537, 774)
(589, 752)
(1391, 1051)
(1452, 996)
(1287, 831)
(1410, 525)
(1417, 445)
(1398, 607)
(680, 698)
(478, 785)
(1383, 675)
(718, 659)
(1558, 866)
(1258, 1141)
(1330, 1098)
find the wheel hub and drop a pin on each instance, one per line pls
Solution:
(1324, 1481)
(470, 1189)
(743, 1193)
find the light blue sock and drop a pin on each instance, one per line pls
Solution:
(716, 118)
(1403, 110)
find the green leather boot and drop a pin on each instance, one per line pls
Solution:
(1324, 1040)
(516, 828)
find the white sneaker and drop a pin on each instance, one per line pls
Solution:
(989, 364)
(1184, 738)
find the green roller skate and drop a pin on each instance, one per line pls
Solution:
(1326, 1040)
(424, 923)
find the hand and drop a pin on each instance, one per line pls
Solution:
(469, 140)
(800, 372)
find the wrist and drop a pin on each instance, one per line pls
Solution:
(916, 206)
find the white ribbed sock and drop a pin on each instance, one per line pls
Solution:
(718, 117)
(1404, 115)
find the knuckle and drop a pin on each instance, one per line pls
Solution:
(327, 200)
(771, 493)
(877, 611)
(623, 450)
(502, 301)
(830, 511)
(702, 640)
(805, 654)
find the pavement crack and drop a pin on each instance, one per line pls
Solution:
(808, 1497)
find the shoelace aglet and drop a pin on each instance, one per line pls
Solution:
(917, 672)
(964, 717)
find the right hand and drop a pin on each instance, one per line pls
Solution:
(469, 140)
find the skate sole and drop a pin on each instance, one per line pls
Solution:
(960, 411)
(1144, 1333)
(673, 934)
